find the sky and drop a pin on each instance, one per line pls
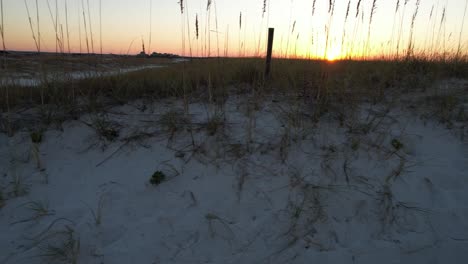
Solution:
(122, 26)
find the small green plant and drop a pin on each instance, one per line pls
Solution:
(157, 178)
(36, 137)
(397, 145)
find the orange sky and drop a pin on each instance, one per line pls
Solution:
(126, 23)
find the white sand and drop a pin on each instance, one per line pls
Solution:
(314, 194)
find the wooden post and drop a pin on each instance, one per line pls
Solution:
(271, 33)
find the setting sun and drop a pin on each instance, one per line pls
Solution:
(331, 57)
(333, 54)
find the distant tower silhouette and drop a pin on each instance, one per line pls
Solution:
(143, 46)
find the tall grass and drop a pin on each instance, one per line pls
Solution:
(36, 40)
(461, 31)
(100, 26)
(216, 25)
(400, 32)
(343, 37)
(150, 24)
(356, 37)
(290, 25)
(68, 30)
(188, 28)
(331, 11)
(79, 31)
(4, 66)
(2, 33)
(410, 50)
(197, 33)
(372, 12)
(85, 26)
(395, 15)
(181, 5)
(208, 29)
(442, 31)
(54, 23)
(90, 27)
(240, 30)
(264, 10)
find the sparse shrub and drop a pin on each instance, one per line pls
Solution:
(157, 178)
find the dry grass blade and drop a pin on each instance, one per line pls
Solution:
(313, 6)
(31, 27)
(181, 3)
(85, 26)
(358, 8)
(68, 31)
(90, 27)
(410, 45)
(2, 28)
(374, 7)
(347, 11)
(461, 30)
(196, 26)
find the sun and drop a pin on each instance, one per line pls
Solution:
(331, 58)
(333, 54)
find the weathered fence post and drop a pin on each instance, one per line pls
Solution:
(271, 33)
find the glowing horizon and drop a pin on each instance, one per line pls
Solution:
(298, 33)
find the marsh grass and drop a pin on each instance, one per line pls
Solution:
(316, 82)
